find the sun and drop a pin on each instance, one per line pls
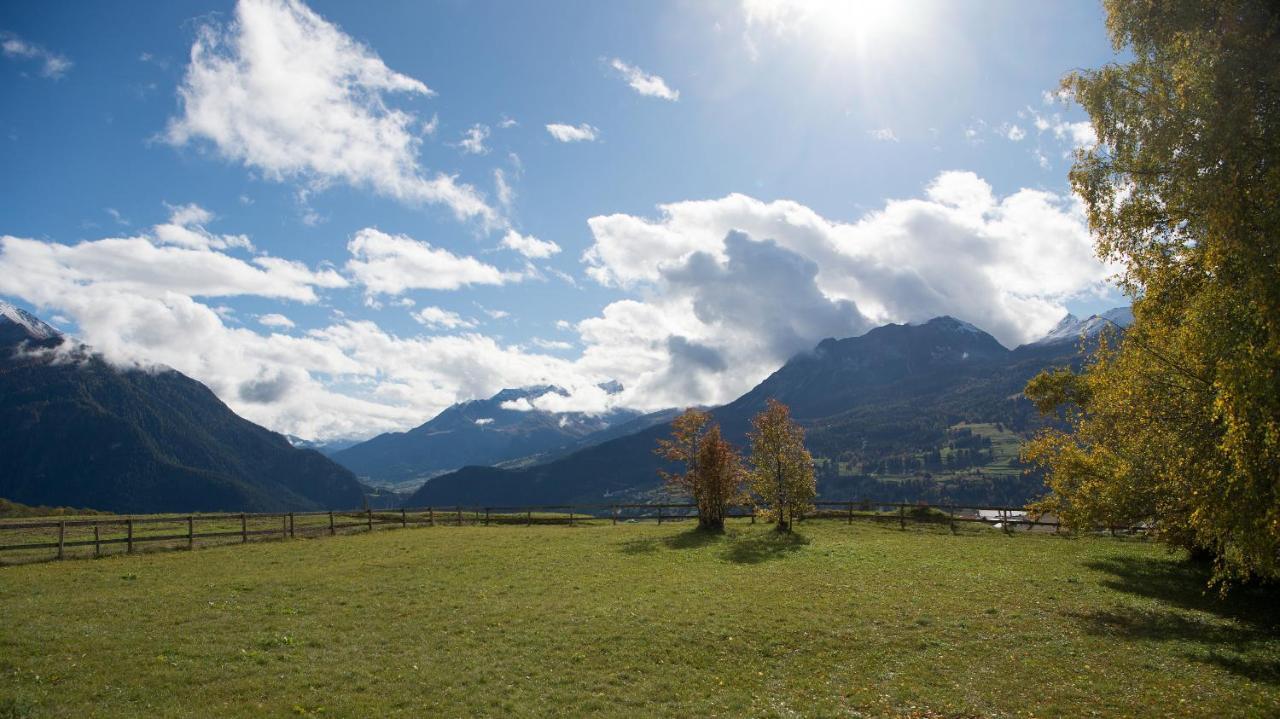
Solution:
(858, 26)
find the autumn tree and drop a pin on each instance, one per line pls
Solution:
(712, 473)
(781, 471)
(1178, 421)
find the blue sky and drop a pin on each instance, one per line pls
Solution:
(308, 212)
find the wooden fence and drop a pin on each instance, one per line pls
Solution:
(98, 535)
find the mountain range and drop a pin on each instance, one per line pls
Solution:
(889, 414)
(489, 431)
(918, 411)
(83, 432)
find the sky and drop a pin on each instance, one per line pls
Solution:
(342, 220)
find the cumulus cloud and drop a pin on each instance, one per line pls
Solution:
(34, 269)
(884, 134)
(571, 133)
(52, 65)
(529, 246)
(287, 93)
(437, 317)
(643, 82)
(275, 319)
(186, 228)
(390, 264)
(1006, 264)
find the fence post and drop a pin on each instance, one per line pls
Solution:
(244, 527)
(614, 512)
(486, 516)
(332, 529)
(528, 517)
(291, 532)
(284, 526)
(431, 516)
(97, 546)
(902, 516)
(951, 517)
(191, 532)
(404, 518)
(62, 537)
(459, 515)
(571, 516)
(129, 538)
(851, 513)
(368, 515)
(753, 515)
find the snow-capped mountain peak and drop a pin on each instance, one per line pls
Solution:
(33, 326)
(1071, 329)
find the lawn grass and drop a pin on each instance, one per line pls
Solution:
(638, 620)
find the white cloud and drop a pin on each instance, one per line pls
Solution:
(390, 264)
(287, 93)
(186, 228)
(884, 134)
(52, 65)
(570, 133)
(1014, 133)
(529, 246)
(643, 82)
(1005, 264)
(275, 319)
(1079, 134)
(472, 141)
(138, 265)
(442, 318)
(430, 126)
(506, 195)
(482, 421)
(507, 123)
(137, 306)
(552, 344)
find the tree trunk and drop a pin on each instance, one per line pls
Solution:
(783, 524)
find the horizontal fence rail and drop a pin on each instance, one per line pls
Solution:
(179, 531)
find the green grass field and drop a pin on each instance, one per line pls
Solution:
(638, 620)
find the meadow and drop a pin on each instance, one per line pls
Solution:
(639, 620)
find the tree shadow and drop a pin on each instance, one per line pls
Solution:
(1184, 584)
(1237, 633)
(763, 546)
(694, 538)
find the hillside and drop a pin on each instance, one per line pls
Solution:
(480, 432)
(639, 620)
(79, 431)
(902, 394)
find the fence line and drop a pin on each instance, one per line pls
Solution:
(290, 525)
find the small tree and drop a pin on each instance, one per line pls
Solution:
(781, 468)
(687, 431)
(718, 479)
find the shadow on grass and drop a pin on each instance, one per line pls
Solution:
(1239, 635)
(763, 546)
(688, 539)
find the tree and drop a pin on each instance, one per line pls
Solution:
(718, 480)
(1178, 421)
(781, 468)
(712, 471)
